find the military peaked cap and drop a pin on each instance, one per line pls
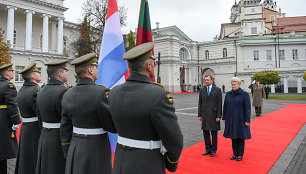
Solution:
(140, 53)
(8, 67)
(57, 64)
(86, 60)
(30, 68)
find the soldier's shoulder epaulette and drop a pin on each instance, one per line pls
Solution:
(38, 89)
(11, 84)
(65, 85)
(158, 84)
(102, 85)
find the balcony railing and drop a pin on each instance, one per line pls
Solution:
(36, 50)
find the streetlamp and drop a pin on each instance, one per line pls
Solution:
(277, 29)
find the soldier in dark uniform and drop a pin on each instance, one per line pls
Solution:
(85, 121)
(30, 129)
(9, 117)
(50, 153)
(145, 119)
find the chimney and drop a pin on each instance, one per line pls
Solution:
(157, 25)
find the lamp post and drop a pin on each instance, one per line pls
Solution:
(277, 29)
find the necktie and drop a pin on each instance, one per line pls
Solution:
(208, 90)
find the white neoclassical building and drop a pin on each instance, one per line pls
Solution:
(37, 32)
(258, 38)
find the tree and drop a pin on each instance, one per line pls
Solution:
(96, 11)
(267, 77)
(5, 53)
(130, 41)
(84, 44)
(304, 76)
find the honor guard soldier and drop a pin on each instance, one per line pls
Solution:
(144, 116)
(9, 116)
(30, 129)
(85, 121)
(50, 153)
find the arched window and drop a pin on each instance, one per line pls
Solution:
(206, 54)
(15, 37)
(184, 54)
(224, 52)
(65, 40)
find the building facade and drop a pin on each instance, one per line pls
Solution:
(37, 32)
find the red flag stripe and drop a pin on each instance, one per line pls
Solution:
(112, 8)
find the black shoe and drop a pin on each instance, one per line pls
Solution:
(239, 158)
(212, 154)
(206, 153)
(233, 157)
(257, 115)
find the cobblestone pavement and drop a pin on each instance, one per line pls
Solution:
(187, 108)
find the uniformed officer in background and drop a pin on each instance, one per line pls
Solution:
(30, 129)
(145, 118)
(85, 121)
(9, 117)
(50, 153)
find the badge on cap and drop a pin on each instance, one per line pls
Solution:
(170, 98)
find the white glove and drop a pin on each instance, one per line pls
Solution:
(254, 81)
(15, 127)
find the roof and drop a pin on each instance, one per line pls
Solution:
(292, 20)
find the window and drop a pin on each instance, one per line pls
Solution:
(295, 54)
(269, 54)
(256, 55)
(18, 77)
(15, 37)
(206, 54)
(272, 18)
(41, 42)
(254, 30)
(224, 52)
(281, 54)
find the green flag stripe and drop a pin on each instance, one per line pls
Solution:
(144, 16)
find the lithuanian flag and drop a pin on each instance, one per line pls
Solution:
(144, 32)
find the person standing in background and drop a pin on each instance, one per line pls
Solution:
(258, 96)
(209, 113)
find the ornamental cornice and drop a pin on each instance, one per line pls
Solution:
(48, 4)
(27, 53)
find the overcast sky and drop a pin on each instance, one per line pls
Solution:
(199, 19)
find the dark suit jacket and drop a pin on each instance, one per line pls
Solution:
(210, 108)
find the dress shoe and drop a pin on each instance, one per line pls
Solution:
(206, 153)
(233, 157)
(212, 154)
(239, 158)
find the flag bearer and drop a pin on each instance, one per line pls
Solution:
(150, 138)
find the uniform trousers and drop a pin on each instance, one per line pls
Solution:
(210, 145)
(238, 147)
(258, 110)
(3, 167)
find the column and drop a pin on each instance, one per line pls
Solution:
(60, 36)
(189, 79)
(299, 84)
(45, 43)
(53, 35)
(273, 89)
(285, 85)
(10, 25)
(29, 24)
(186, 76)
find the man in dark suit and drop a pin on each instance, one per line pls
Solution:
(31, 126)
(9, 116)
(50, 153)
(210, 112)
(144, 116)
(86, 119)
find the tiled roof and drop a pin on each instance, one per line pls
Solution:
(292, 20)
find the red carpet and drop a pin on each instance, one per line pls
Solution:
(271, 134)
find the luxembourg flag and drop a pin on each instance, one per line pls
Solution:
(112, 69)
